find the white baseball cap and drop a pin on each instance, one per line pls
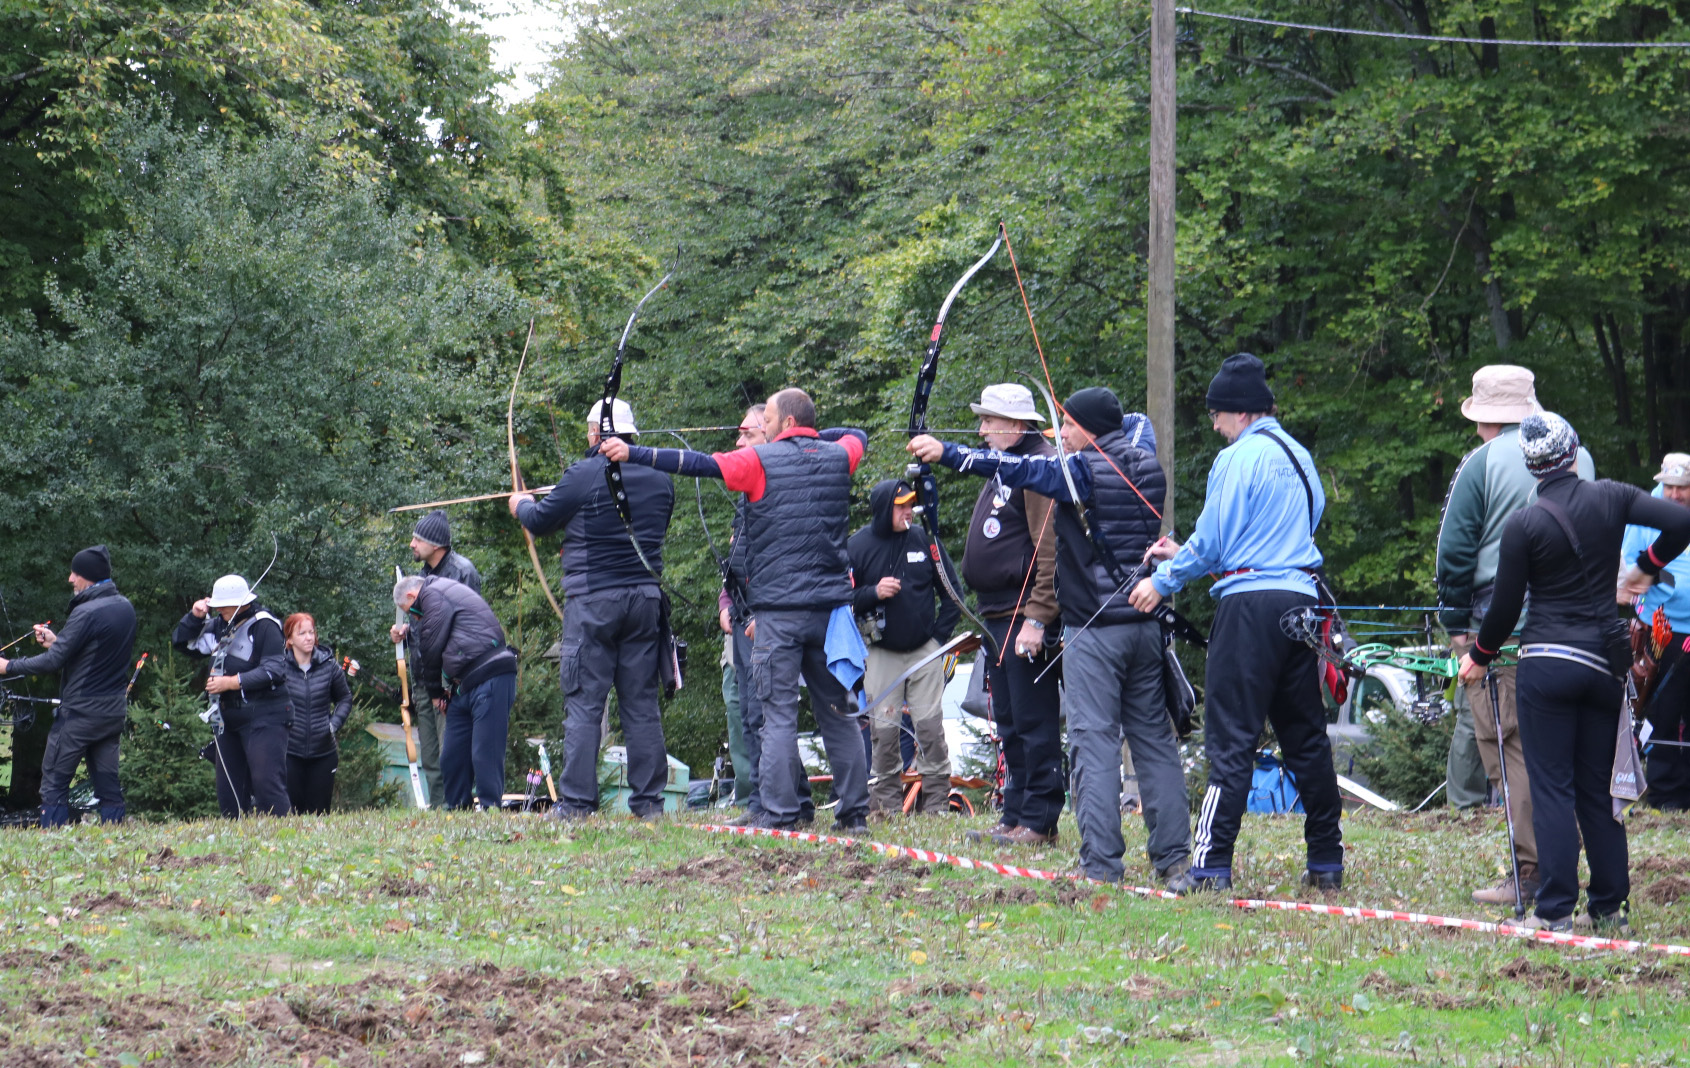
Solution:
(621, 416)
(230, 591)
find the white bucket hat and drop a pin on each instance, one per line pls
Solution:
(230, 591)
(621, 416)
(1008, 400)
(1502, 393)
(1675, 469)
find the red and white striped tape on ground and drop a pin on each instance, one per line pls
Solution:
(1348, 911)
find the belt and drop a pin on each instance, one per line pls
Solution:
(1565, 652)
(1253, 570)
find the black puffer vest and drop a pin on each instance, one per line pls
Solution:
(795, 536)
(321, 700)
(1121, 519)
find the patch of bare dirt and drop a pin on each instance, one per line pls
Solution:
(1656, 863)
(1665, 891)
(400, 886)
(110, 901)
(167, 859)
(900, 989)
(1008, 894)
(475, 1015)
(70, 955)
(1543, 975)
(1384, 984)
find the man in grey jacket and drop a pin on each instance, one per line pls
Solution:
(1491, 484)
(431, 546)
(91, 655)
(469, 674)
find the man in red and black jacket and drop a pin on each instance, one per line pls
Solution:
(797, 487)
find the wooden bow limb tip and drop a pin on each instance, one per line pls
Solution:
(516, 474)
(499, 496)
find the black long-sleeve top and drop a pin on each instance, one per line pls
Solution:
(1572, 594)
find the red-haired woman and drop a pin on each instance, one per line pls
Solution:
(321, 700)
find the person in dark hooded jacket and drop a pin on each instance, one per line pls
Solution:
(321, 700)
(898, 593)
(249, 702)
(91, 653)
(470, 675)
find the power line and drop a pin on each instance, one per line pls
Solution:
(1431, 37)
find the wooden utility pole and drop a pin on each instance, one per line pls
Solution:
(1159, 310)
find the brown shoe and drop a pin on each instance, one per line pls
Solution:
(981, 836)
(1024, 836)
(1503, 892)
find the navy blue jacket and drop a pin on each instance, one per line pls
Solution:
(597, 553)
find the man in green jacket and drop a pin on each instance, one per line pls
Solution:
(1491, 484)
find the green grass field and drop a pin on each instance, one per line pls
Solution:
(384, 937)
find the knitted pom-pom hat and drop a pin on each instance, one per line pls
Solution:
(1549, 443)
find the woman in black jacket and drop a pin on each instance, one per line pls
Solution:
(1564, 550)
(321, 700)
(249, 704)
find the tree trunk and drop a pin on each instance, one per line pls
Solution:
(1613, 358)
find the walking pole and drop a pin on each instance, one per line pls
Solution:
(417, 792)
(1507, 800)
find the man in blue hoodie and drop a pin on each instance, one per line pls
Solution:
(898, 593)
(1256, 534)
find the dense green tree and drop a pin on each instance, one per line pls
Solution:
(401, 88)
(267, 350)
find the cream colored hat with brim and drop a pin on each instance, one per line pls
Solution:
(1502, 393)
(1675, 469)
(230, 591)
(1008, 400)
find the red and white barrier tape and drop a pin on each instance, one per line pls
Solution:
(1347, 911)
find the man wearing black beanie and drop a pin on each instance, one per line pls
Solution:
(1257, 533)
(1109, 492)
(91, 655)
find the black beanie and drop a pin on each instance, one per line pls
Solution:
(434, 529)
(1097, 409)
(1241, 386)
(93, 564)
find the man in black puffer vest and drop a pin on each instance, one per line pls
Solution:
(470, 675)
(1113, 657)
(798, 577)
(612, 619)
(897, 590)
(92, 655)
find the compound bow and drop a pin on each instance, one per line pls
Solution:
(607, 428)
